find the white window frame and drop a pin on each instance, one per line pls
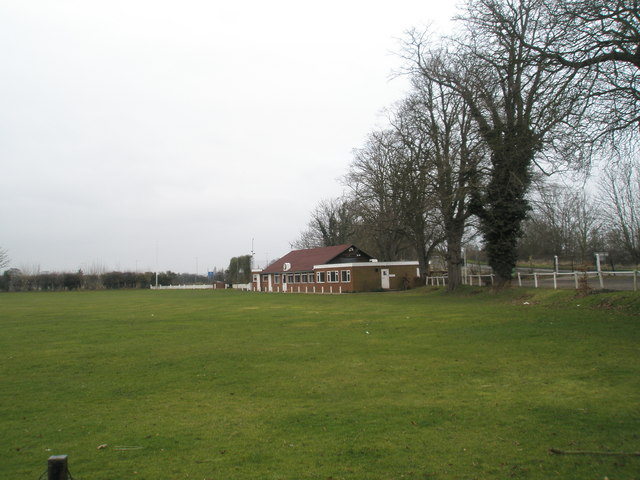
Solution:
(347, 274)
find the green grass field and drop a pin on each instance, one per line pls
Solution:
(231, 385)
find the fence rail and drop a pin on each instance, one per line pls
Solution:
(623, 280)
(181, 287)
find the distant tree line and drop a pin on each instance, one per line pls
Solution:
(524, 96)
(14, 280)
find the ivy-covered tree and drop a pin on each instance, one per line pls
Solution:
(522, 105)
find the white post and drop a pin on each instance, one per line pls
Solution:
(535, 279)
(555, 262)
(599, 271)
(635, 280)
(519, 280)
(555, 280)
(575, 277)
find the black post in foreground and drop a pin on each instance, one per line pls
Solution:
(58, 467)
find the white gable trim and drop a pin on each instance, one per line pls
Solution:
(367, 264)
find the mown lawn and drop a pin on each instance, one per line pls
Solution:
(232, 385)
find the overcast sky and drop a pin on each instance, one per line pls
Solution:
(141, 134)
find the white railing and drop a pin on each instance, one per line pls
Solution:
(559, 276)
(479, 278)
(603, 279)
(181, 287)
(437, 281)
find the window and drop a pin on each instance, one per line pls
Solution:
(303, 278)
(265, 278)
(320, 277)
(289, 277)
(276, 278)
(332, 276)
(345, 276)
(296, 278)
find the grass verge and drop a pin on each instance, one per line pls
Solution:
(419, 384)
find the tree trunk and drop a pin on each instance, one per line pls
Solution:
(454, 264)
(505, 206)
(423, 261)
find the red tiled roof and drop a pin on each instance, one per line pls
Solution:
(304, 260)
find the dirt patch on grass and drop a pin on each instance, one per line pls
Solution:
(613, 301)
(524, 299)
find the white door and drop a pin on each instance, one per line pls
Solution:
(384, 277)
(284, 282)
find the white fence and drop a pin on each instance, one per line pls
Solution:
(623, 280)
(329, 289)
(181, 287)
(237, 286)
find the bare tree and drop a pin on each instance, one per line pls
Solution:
(436, 127)
(372, 188)
(603, 37)
(332, 223)
(620, 193)
(521, 104)
(388, 179)
(411, 171)
(564, 221)
(4, 258)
